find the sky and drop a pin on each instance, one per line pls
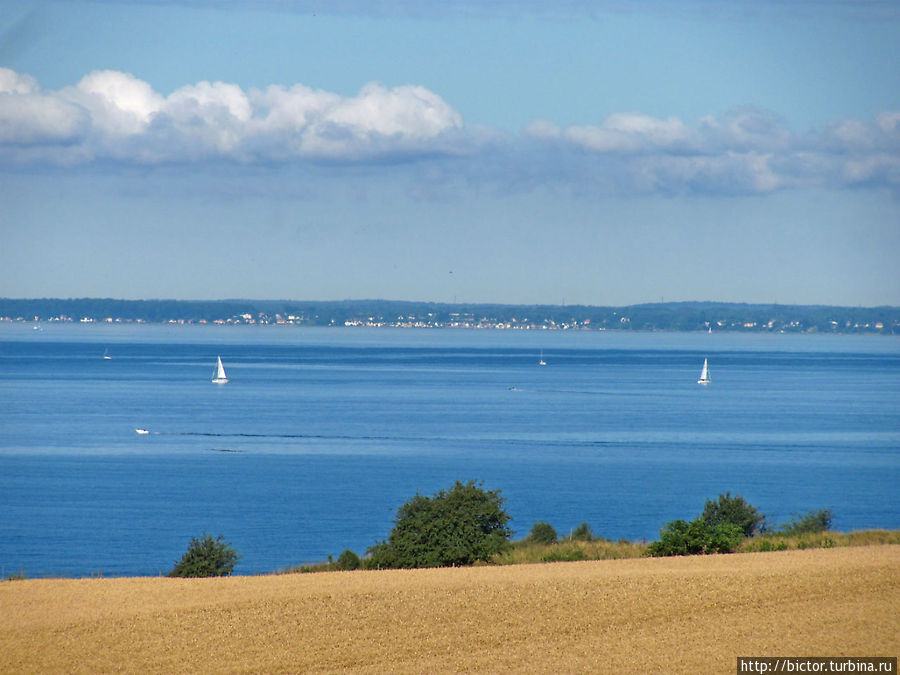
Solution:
(578, 152)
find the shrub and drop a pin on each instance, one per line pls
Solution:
(542, 533)
(348, 560)
(380, 556)
(682, 538)
(582, 533)
(734, 511)
(456, 527)
(206, 557)
(812, 522)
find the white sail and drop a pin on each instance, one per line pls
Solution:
(542, 362)
(220, 376)
(704, 374)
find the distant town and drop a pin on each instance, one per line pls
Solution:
(675, 316)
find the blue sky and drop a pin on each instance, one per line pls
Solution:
(597, 152)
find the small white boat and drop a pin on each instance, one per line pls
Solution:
(219, 377)
(542, 362)
(141, 432)
(704, 374)
(106, 356)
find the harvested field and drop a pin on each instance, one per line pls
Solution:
(665, 614)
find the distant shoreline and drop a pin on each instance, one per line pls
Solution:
(673, 316)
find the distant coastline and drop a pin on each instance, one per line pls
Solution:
(664, 316)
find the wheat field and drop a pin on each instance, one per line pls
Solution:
(692, 614)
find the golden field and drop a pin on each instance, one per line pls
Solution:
(638, 615)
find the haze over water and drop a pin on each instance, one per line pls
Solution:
(323, 433)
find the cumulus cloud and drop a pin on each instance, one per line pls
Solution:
(114, 115)
(12, 82)
(29, 117)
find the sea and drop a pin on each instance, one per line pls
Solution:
(323, 433)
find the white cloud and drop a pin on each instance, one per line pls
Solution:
(630, 133)
(35, 120)
(746, 150)
(119, 102)
(402, 119)
(203, 120)
(115, 115)
(12, 82)
(411, 111)
(31, 118)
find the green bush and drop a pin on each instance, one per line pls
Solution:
(381, 556)
(456, 527)
(348, 560)
(696, 537)
(812, 522)
(542, 533)
(734, 511)
(206, 557)
(582, 533)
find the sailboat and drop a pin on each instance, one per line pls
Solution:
(542, 362)
(220, 377)
(704, 374)
(106, 356)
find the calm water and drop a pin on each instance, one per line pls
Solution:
(323, 433)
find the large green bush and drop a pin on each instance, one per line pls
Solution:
(206, 557)
(456, 527)
(734, 511)
(696, 537)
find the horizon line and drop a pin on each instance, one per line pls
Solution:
(455, 303)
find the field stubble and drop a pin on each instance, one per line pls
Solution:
(664, 614)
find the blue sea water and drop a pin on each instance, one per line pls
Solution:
(324, 432)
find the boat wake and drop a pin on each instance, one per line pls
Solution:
(210, 434)
(517, 441)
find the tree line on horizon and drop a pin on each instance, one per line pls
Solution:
(674, 316)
